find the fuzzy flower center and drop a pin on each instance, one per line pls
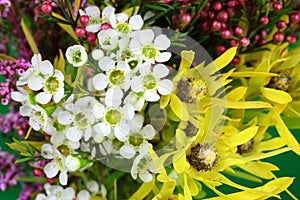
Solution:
(77, 57)
(81, 120)
(123, 28)
(149, 51)
(52, 84)
(113, 117)
(116, 77)
(149, 81)
(136, 139)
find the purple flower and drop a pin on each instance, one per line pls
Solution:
(5, 7)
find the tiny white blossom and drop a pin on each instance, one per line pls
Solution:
(76, 55)
(37, 116)
(143, 166)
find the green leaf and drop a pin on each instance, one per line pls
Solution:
(66, 27)
(6, 57)
(29, 38)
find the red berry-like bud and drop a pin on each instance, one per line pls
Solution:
(277, 6)
(91, 37)
(278, 37)
(205, 26)
(105, 26)
(291, 39)
(233, 43)
(46, 7)
(186, 18)
(80, 32)
(166, 1)
(21, 133)
(222, 16)
(84, 20)
(294, 18)
(203, 14)
(220, 49)
(281, 24)
(264, 20)
(225, 33)
(256, 37)
(37, 10)
(217, 6)
(38, 172)
(230, 12)
(238, 30)
(216, 25)
(211, 14)
(236, 60)
(231, 3)
(50, 180)
(244, 41)
(223, 25)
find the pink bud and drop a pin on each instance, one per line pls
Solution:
(80, 32)
(105, 26)
(84, 20)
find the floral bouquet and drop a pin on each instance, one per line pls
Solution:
(148, 99)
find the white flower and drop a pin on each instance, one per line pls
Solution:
(135, 99)
(149, 48)
(136, 140)
(37, 116)
(58, 163)
(76, 55)
(21, 96)
(119, 23)
(55, 192)
(34, 69)
(143, 166)
(108, 39)
(78, 119)
(114, 120)
(83, 195)
(150, 82)
(118, 77)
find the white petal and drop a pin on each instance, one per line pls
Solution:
(46, 68)
(162, 42)
(36, 60)
(151, 96)
(59, 75)
(35, 83)
(98, 110)
(65, 118)
(83, 195)
(128, 111)
(123, 66)
(107, 11)
(148, 131)
(47, 151)
(127, 152)
(97, 54)
(145, 176)
(51, 169)
(72, 163)
(122, 17)
(145, 68)
(73, 134)
(19, 97)
(93, 28)
(136, 123)
(88, 133)
(146, 36)
(35, 124)
(43, 97)
(58, 95)
(121, 131)
(113, 20)
(113, 97)
(102, 128)
(165, 87)
(137, 84)
(160, 70)
(100, 82)
(25, 110)
(93, 186)
(63, 178)
(163, 57)
(135, 46)
(92, 11)
(123, 43)
(136, 22)
(106, 63)
(68, 193)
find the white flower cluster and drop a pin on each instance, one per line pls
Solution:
(128, 73)
(55, 192)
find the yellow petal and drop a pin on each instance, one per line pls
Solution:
(179, 161)
(187, 193)
(223, 60)
(187, 58)
(284, 132)
(253, 74)
(271, 144)
(192, 186)
(260, 169)
(276, 96)
(143, 190)
(237, 93)
(243, 136)
(164, 100)
(29, 38)
(178, 108)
